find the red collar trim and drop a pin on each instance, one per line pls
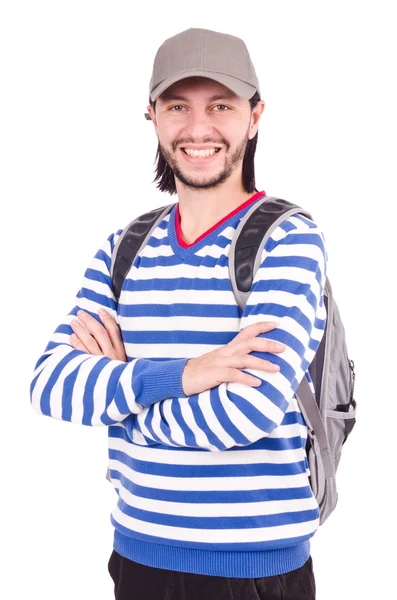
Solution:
(236, 210)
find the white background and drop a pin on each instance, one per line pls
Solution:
(77, 162)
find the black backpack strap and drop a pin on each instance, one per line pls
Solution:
(130, 242)
(250, 238)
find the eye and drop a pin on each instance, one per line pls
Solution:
(176, 106)
(223, 106)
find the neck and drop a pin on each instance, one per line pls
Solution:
(200, 209)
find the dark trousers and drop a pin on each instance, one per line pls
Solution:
(133, 581)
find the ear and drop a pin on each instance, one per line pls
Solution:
(255, 116)
(152, 115)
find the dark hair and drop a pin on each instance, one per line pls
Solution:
(165, 176)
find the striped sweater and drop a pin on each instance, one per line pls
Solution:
(215, 483)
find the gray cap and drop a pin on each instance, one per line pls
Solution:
(206, 53)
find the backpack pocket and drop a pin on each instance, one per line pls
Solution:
(340, 422)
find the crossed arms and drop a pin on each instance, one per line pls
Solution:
(146, 396)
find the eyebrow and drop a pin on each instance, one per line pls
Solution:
(167, 97)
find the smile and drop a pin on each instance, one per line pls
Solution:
(201, 153)
(199, 157)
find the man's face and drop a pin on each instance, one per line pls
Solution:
(203, 129)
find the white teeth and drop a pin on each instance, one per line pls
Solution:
(201, 153)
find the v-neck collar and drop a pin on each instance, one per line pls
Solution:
(178, 244)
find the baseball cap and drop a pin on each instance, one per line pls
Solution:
(203, 52)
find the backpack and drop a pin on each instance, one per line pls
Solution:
(330, 414)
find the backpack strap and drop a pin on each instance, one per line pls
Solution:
(130, 242)
(250, 238)
(315, 423)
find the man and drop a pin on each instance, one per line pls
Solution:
(206, 439)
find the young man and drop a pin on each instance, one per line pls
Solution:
(206, 439)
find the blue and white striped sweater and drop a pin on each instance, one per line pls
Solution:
(215, 483)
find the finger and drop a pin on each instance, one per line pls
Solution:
(112, 328)
(85, 337)
(98, 331)
(256, 328)
(261, 364)
(77, 343)
(253, 344)
(238, 376)
(259, 344)
(244, 361)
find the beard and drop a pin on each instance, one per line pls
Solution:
(201, 181)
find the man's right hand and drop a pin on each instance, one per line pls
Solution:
(223, 364)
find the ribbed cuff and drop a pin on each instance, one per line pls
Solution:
(153, 381)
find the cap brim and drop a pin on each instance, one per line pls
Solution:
(242, 89)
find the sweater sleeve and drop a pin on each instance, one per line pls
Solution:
(72, 385)
(288, 287)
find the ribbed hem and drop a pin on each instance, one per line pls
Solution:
(212, 562)
(158, 380)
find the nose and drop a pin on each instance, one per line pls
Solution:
(198, 124)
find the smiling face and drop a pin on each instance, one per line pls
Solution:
(203, 129)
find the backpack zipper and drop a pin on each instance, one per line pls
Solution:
(353, 375)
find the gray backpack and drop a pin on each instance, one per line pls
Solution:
(330, 414)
